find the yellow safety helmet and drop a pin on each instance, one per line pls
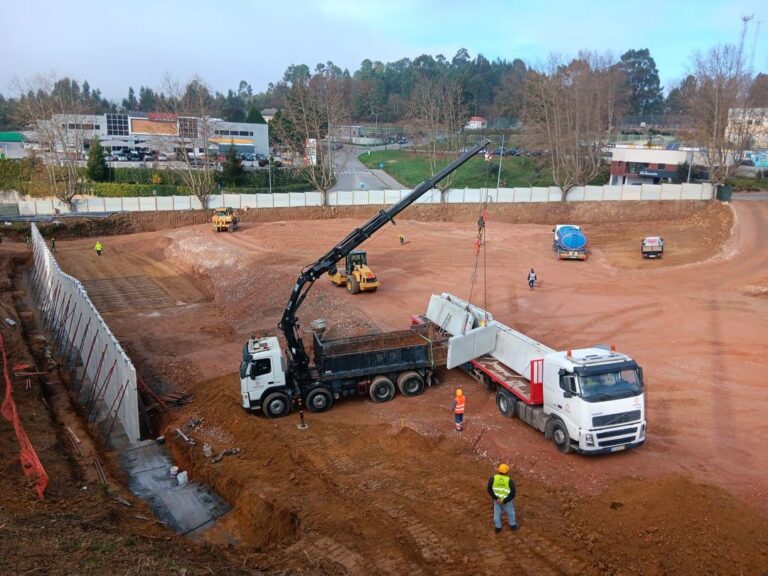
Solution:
(459, 392)
(503, 468)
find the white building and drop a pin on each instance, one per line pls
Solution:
(642, 165)
(476, 123)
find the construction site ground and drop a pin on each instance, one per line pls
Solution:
(392, 488)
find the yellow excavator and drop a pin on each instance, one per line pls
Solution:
(356, 276)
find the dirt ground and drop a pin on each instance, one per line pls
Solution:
(391, 488)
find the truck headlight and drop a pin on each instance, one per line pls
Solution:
(642, 432)
(590, 439)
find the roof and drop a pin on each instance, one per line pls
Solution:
(11, 137)
(477, 119)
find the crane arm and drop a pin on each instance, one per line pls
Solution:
(289, 322)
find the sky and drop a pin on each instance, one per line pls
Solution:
(115, 44)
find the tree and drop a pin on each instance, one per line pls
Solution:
(232, 171)
(255, 117)
(718, 119)
(193, 107)
(96, 167)
(313, 106)
(131, 103)
(680, 96)
(645, 94)
(55, 110)
(570, 110)
(758, 92)
(437, 113)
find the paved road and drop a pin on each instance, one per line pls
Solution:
(763, 195)
(353, 175)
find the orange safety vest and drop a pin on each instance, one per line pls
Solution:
(459, 405)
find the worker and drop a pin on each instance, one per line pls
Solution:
(99, 247)
(402, 238)
(502, 489)
(458, 410)
(532, 279)
(53, 245)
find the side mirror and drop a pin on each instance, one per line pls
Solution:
(252, 372)
(567, 394)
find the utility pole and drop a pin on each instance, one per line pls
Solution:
(501, 157)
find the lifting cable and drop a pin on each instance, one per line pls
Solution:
(480, 242)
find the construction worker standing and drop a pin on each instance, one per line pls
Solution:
(458, 410)
(402, 238)
(502, 489)
(99, 247)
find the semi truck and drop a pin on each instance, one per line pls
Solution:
(570, 242)
(589, 400)
(274, 381)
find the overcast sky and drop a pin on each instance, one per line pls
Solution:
(116, 44)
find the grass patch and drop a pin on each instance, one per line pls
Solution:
(747, 184)
(410, 169)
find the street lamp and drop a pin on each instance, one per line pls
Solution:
(269, 171)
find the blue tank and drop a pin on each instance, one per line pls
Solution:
(570, 238)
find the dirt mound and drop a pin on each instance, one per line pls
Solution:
(677, 526)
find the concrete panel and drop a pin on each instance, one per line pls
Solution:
(629, 192)
(471, 345)
(164, 202)
(147, 204)
(612, 192)
(249, 200)
(360, 198)
(505, 195)
(297, 198)
(539, 194)
(280, 200)
(313, 199)
(430, 197)
(113, 204)
(195, 203)
(575, 194)
(650, 192)
(516, 350)
(391, 196)
(265, 200)
(376, 197)
(232, 200)
(345, 198)
(131, 204)
(593, 193)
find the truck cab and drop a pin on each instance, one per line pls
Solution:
(652, 247)
(595, 401)
(263, 384)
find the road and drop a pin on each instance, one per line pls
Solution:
(354, 175)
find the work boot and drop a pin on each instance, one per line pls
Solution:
(497, 530)
(514, 527)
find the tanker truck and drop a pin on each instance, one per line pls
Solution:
(569, 242)
(589, 400)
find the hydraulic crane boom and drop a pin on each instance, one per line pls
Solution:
(299, 364)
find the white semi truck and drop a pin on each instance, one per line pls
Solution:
(589, 400)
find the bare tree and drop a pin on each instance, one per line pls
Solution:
(436, 114)
(569, 111)
(191, 107)
(718, 118)
(313, 106)
(56, 114)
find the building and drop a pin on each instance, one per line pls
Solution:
(476, 123)
(751, 125)
(644, 165)
(154, 131)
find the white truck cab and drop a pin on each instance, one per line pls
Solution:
(262, 371)
(598, 395)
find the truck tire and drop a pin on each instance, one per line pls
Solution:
(353, 285)
(505, 402)
(382, 389)
(319, 400)
(410, 383)
(276, 405)
(560, 437)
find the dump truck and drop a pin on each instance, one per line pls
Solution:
(224, 219)
(357, 276)
(652, 247)
(569, 243)
(274, 380)
(589, 400)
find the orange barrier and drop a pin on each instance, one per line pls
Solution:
(29, 461)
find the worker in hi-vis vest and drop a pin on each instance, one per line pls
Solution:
(502, 489)
(458, 410)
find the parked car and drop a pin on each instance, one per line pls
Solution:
(150, 157)
(337, 146)
(120, 157)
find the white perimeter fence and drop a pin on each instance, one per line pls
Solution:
(102, 374)
(373, 197)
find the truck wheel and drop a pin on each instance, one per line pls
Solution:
(353, 285)
(276, 405)
(319, 400)
(410, 383)
(505, 403)
(560, 437)
(382, 389)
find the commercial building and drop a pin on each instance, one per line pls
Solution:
(154, 131)
(642, 165)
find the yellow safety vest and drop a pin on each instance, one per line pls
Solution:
(501, 486)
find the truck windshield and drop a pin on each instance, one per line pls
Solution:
(610, 386)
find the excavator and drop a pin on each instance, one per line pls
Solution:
(356, 276)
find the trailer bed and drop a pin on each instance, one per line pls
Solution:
(501, 374)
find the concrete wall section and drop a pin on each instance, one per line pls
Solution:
(105, 374)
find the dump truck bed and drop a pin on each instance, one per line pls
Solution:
(370, 355)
